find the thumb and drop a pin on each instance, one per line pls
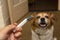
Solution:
(9, 28)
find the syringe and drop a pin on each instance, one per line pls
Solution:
(23, 22)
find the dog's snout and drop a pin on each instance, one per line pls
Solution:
(42, 19)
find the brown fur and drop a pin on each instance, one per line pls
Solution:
(35, 14)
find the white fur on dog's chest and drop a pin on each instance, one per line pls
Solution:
(44, 34)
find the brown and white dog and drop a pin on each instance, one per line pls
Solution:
(43, 26)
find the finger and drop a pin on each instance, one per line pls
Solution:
(18, 29)
(12, 37)
(15, 24)
(18, 34)
(9, 28)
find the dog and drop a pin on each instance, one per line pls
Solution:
(43, 26)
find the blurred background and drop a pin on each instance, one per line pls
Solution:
(12, 11)
(43, 5)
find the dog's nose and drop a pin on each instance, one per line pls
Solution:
(42, 19)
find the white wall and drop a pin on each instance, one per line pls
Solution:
(4, 16)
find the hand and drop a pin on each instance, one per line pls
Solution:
(8, 34)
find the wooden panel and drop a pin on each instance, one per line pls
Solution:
(17, 9)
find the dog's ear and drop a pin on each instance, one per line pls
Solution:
(33, 17)
(34, 14)
(52, 16)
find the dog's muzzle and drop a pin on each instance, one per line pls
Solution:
(43, 24)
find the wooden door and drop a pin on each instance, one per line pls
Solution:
(17, 9)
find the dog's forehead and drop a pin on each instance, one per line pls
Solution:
(42, 14)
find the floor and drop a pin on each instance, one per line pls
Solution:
(26, 33)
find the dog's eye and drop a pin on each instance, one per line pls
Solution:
(46, 16)
(38, 17)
